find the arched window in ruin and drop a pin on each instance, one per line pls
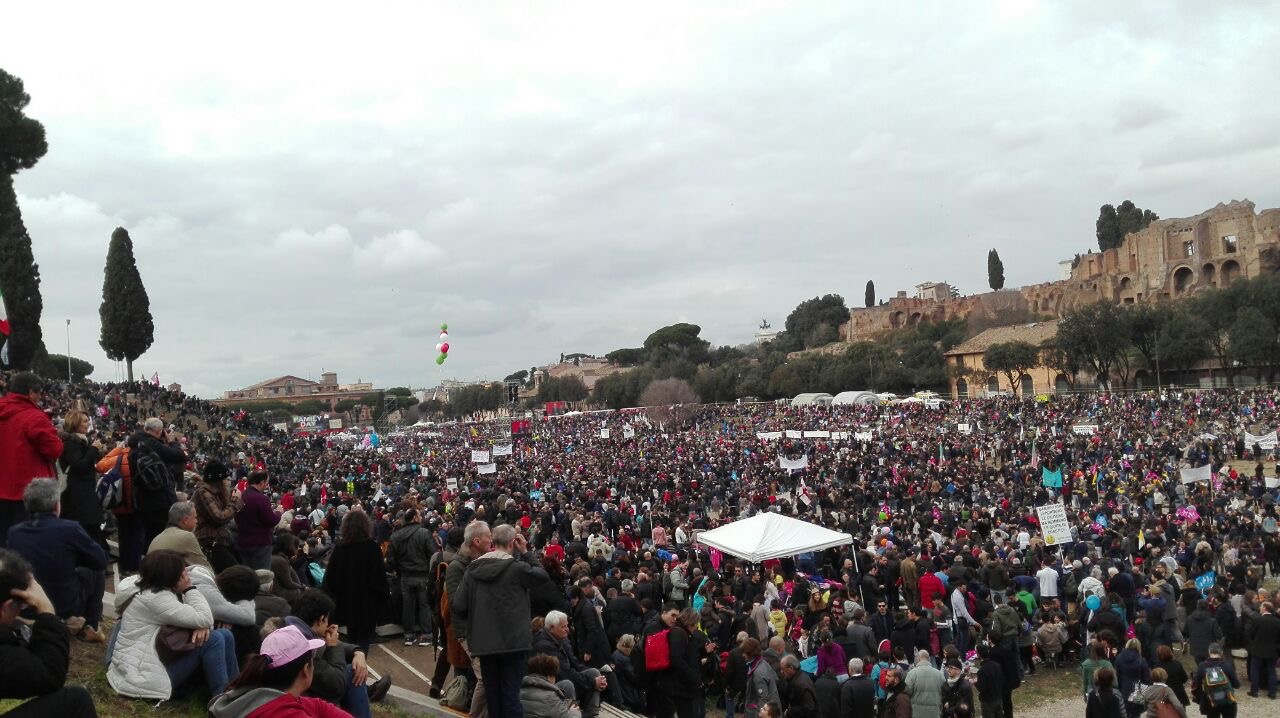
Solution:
(895, 320)
(993, 384)
(1026, 387)
(1182, 279)
(962, 389)
(1207, 274)
(1125, 283)
(1061, 385)
(1230, 272)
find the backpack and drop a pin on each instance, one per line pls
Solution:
(1070, 585)
(316, 572)
(667, 585)
(110, 487)
(457, 694)
(150, 471)
(657, 651)
(1217, 687)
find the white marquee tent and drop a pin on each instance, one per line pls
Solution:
(770, 535)
(855, 397)
(812, 398)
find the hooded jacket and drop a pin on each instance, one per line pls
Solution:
(493, 600)
(412, 546)
(28, 443)
(541, 698)
(270, 703)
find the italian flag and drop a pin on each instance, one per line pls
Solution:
(4, 317)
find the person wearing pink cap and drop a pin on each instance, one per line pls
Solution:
(272, 682)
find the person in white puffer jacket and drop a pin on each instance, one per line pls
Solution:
(162, 594)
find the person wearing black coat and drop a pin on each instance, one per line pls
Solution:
(1131, 669)
(1264, 647)
(153, 506)
(357, 581)
(904, 635)
(881, 622)
(858, 694)
(1008, 660)
(991, 679)
(957, 692)
(827, 690)
(80, 498)
(622, 614)
(801, 696)
(589, 637)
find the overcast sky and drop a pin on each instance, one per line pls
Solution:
(315, 188)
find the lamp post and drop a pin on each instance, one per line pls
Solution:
(68, 351)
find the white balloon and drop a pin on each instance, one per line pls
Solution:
(444, 335)
(439, 345)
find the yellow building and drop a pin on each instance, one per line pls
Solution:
(975, 380)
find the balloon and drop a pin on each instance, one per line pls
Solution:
(444, 327)
(444, 348)
(1093, 603)
(438, 345)
(440, 359)
(444, 335)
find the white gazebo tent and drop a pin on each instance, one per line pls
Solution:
(770, 535)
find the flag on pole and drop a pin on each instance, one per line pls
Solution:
(1142, 539)
(4, 317)
(155, 378)
(804, 494)
(941, 458)
(1035, 456)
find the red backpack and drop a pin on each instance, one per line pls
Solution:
(657, 651)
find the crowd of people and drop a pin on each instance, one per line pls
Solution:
(558, 569)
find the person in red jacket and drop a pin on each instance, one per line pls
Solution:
(28, 446)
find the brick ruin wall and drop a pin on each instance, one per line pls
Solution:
(1170, 259)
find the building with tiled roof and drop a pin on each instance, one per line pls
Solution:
(970, 377)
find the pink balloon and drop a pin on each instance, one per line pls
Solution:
(444, 348)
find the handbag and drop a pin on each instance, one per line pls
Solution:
(173, 643)
(1139, 694)
(1164, 709)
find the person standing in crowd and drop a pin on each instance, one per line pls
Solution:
(494, 597)
(35, 659)
(477, 541)
(79, 461)
(760, 686)
(897, 704)
(1264, 648)
(68, 563)
(153, 502)
(990, 685)
(924, 684)
(1160, 692)
(957, 694)
(357, 580)
(28, 443)
(409, 556)
(255, 522)
(217, 504)
(1214, 683)
(857, 694)
(1103, 700)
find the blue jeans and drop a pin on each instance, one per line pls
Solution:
(356, 699)
(217, 657)
(502, 674)
(256, 557)
(416, 616)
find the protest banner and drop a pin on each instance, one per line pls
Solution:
(1053, 524)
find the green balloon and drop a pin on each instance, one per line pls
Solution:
(440, 359)
(444, 327)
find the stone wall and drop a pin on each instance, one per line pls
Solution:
(1171, 258)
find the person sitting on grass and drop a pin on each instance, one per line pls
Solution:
(272, 682)
(34, 659)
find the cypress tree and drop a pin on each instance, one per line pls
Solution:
(127, 328)
(995, 270)
(869, 297)
(22, 144)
